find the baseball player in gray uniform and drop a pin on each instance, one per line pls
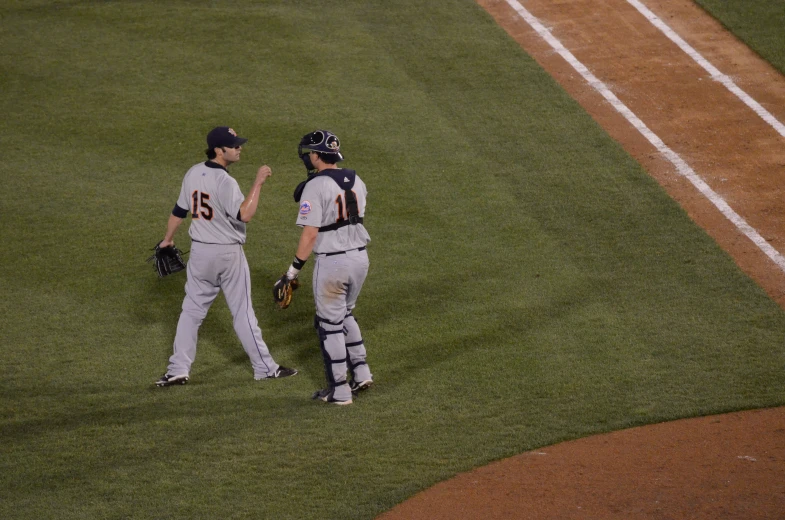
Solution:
(219, 213)
(332, 208)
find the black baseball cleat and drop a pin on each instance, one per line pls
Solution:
(283, 372)
(169, 380)
(359, 387)
(326, 395)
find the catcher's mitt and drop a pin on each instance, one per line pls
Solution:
(282, 291)
(167, 260)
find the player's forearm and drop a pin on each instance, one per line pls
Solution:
(171, 229)
(304, 249)
(307, 241)
(251, 202)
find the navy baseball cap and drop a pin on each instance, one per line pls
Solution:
(224, 137)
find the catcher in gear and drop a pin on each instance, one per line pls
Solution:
(332, 208)
(167, 260)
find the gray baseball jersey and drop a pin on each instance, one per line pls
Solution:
(323, 202)
(213, 197)
(217, 263)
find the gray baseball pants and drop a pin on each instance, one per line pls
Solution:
(337, 282)
(213, 268)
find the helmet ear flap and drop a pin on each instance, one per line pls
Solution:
(332, 143)
(313, 140)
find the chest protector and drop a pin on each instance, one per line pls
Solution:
(345, 180)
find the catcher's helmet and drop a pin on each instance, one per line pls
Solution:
(320, 141)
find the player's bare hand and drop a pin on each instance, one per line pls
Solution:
(166, 243)
(262, 174)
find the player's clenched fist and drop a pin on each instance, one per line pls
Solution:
(263, 173)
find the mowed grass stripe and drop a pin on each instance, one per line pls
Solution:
(529, 282)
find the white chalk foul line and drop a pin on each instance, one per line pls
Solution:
(711, 69)
(681, 166)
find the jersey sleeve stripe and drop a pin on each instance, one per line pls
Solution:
(179, 212)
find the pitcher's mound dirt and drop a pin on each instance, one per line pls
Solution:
(718, 467)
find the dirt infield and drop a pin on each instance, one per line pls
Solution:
(730, 466)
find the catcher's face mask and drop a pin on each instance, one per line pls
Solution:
(306, 158)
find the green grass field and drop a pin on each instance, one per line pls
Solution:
(529, 282)
(759, 24)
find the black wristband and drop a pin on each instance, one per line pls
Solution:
(297, 263)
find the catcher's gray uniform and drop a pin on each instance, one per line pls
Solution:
(217, 263)
(338, 276)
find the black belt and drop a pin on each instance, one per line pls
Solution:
(342, 252)
(216, 243)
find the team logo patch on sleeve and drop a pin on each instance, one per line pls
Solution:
(305, 207)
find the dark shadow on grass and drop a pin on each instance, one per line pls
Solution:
(160, 410)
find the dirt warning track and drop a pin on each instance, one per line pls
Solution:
(707, 123)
